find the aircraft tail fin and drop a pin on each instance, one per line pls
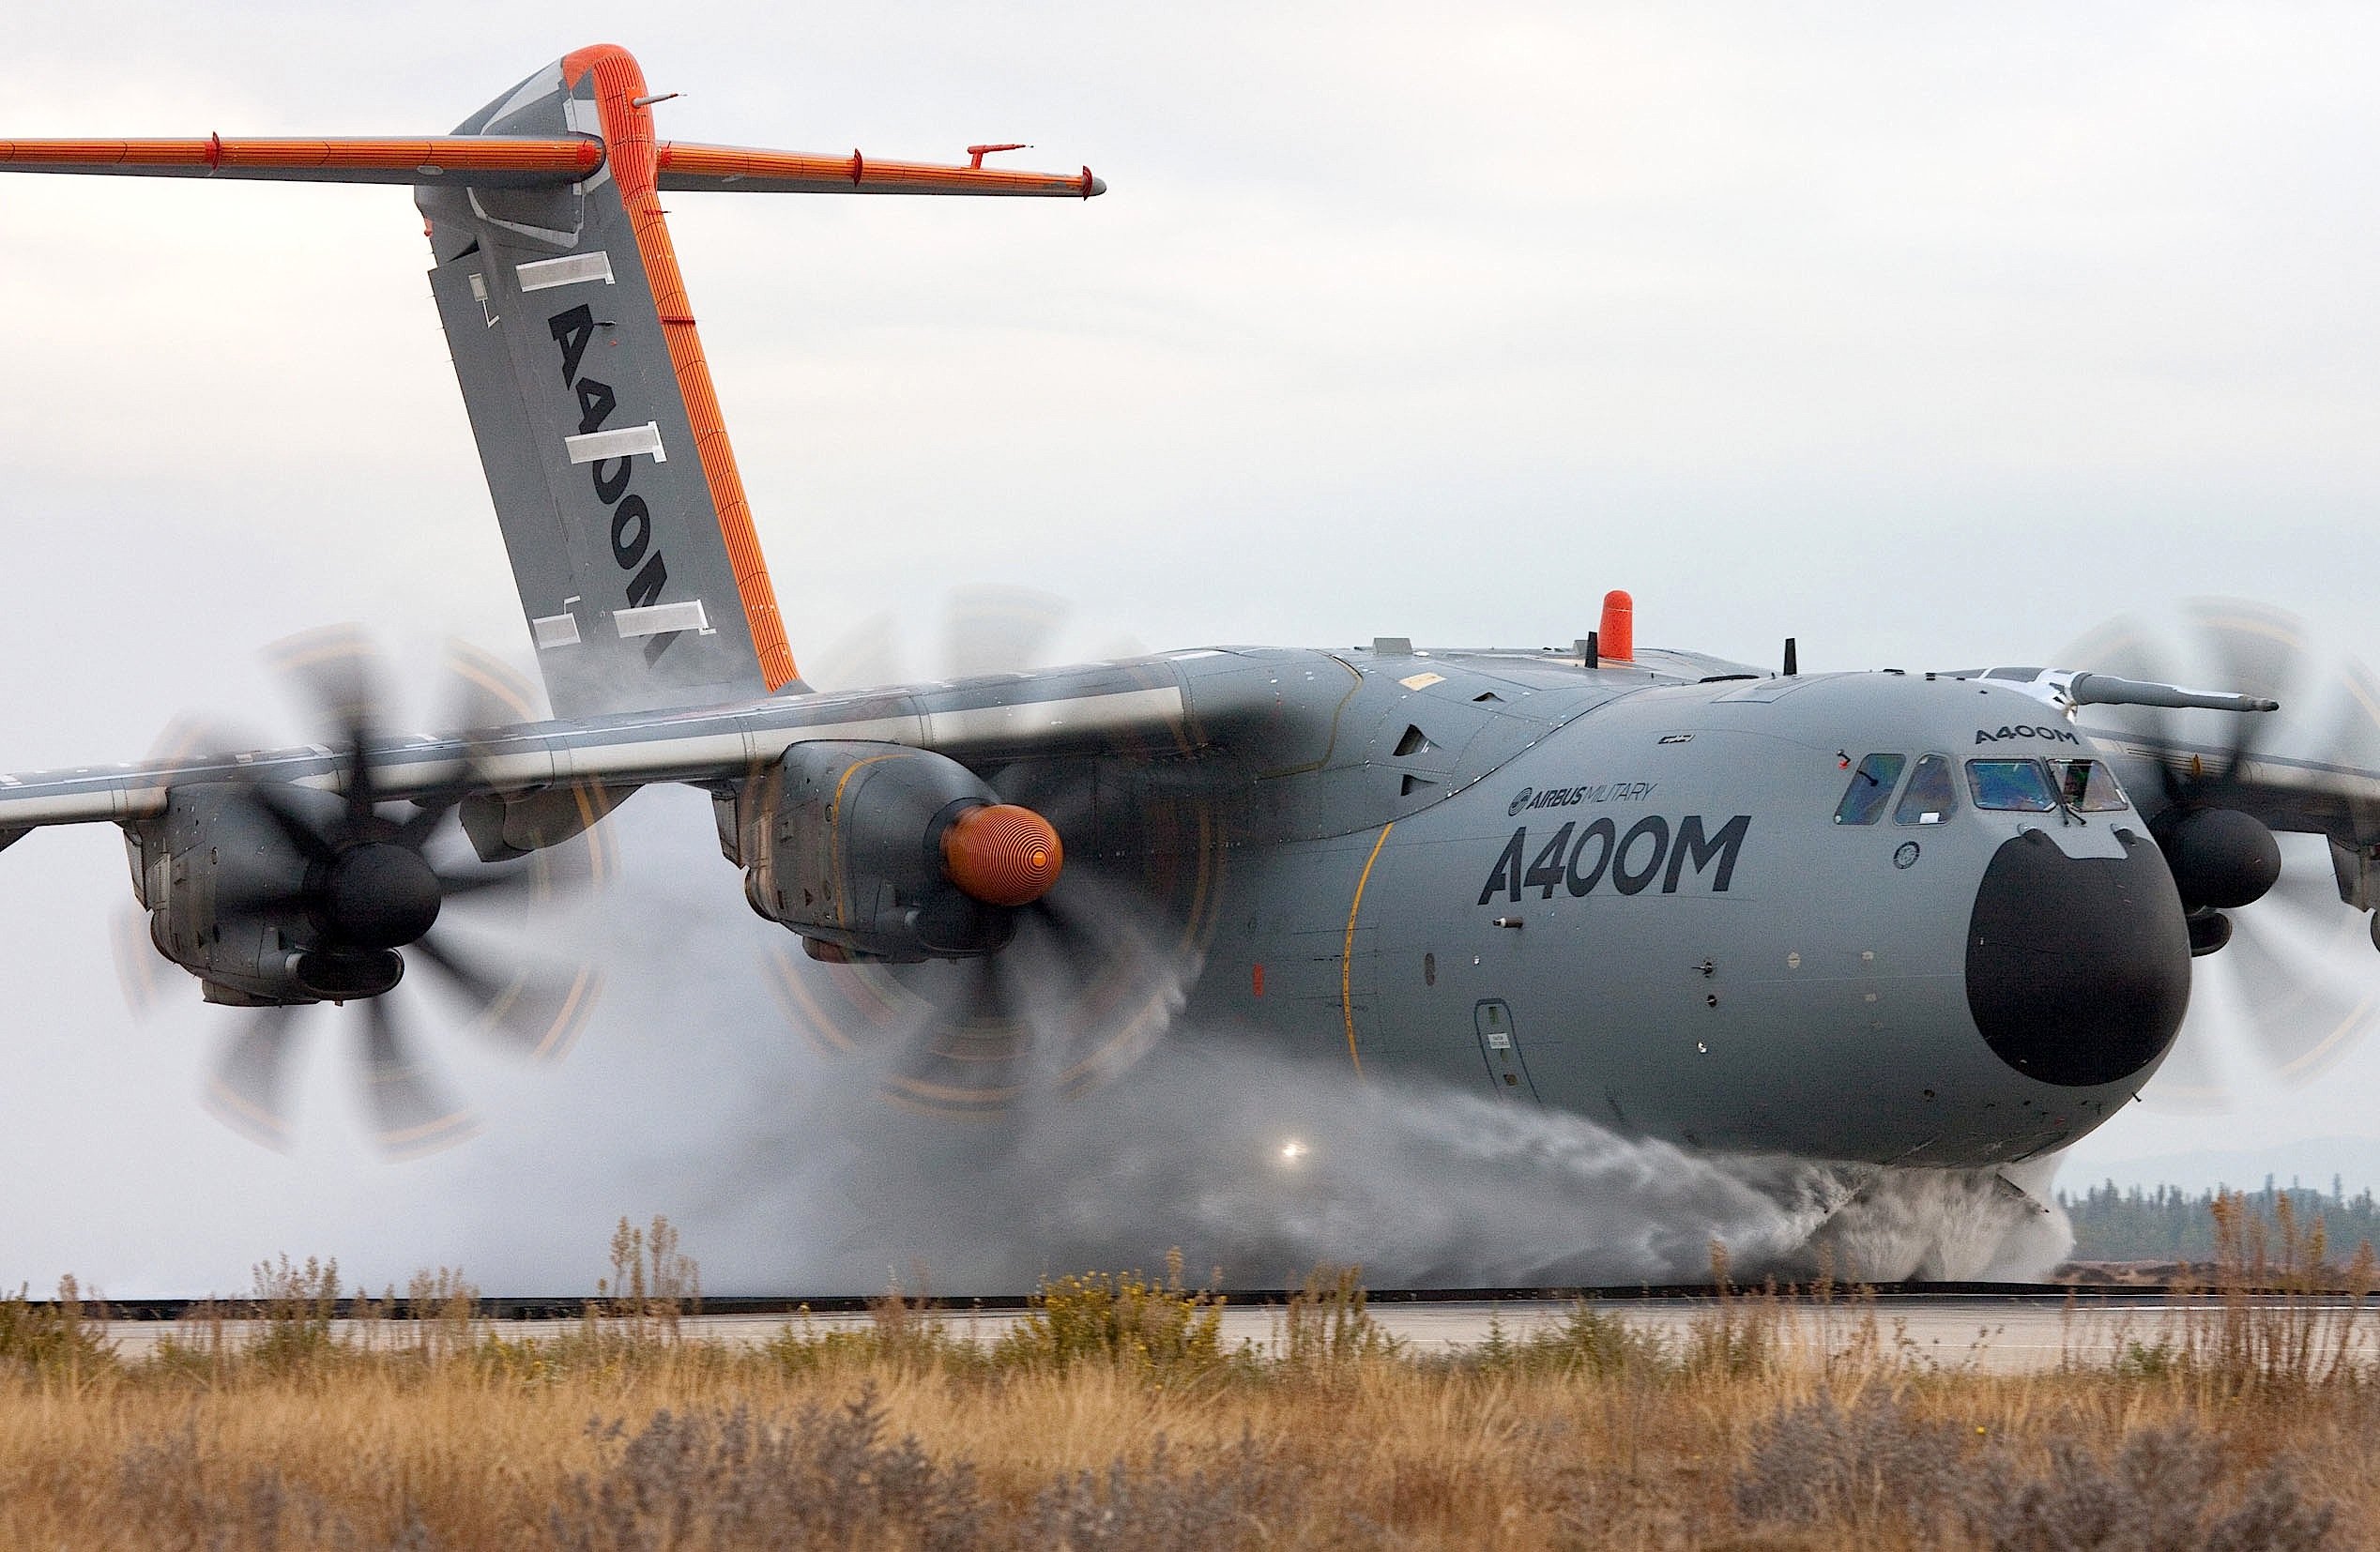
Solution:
(630, 539)
(632, 543)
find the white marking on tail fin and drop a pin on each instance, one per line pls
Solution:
(555, 631)
(542, 84)
(661, 619)
(550, 236)
(626, 442)
(545, 274)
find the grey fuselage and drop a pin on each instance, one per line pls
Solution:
(1627, 896)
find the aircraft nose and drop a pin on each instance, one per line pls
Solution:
(2078, 968)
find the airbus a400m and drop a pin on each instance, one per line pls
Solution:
(1940, 920)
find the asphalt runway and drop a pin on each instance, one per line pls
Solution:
(2018, 1334)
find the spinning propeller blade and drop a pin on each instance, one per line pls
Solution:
(2295, 984)
(245, 1091)
(371, 887)
(410, 1117)
(1096, 970)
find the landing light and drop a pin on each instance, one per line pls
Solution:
(1292, 1152)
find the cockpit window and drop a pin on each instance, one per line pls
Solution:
(2087, 786)
(2022, 786)
(1933, 795)
(1870, 789)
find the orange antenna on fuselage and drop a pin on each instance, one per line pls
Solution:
(1616, 640)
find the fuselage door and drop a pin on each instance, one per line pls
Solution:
(1500, 1048)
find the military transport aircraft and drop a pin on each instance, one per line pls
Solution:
(1920, 919)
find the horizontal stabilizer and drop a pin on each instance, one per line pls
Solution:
(484, 161)
(745, 170)
(502, 161)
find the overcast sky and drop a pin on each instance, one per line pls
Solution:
(1932, 336)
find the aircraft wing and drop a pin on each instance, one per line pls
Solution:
(2178, 747)
(1151, 708)
(2311, 797)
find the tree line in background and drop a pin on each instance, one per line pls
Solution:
(2114, 1224)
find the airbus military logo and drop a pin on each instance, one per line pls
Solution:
(2025, 730)
(1569, 797)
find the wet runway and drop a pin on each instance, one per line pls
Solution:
(1998, 1335)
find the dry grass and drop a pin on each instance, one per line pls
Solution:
(1117, 1416)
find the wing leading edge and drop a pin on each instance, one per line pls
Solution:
(1137, 707)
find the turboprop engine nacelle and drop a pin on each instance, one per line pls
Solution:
(224, 888)
(878, 851)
